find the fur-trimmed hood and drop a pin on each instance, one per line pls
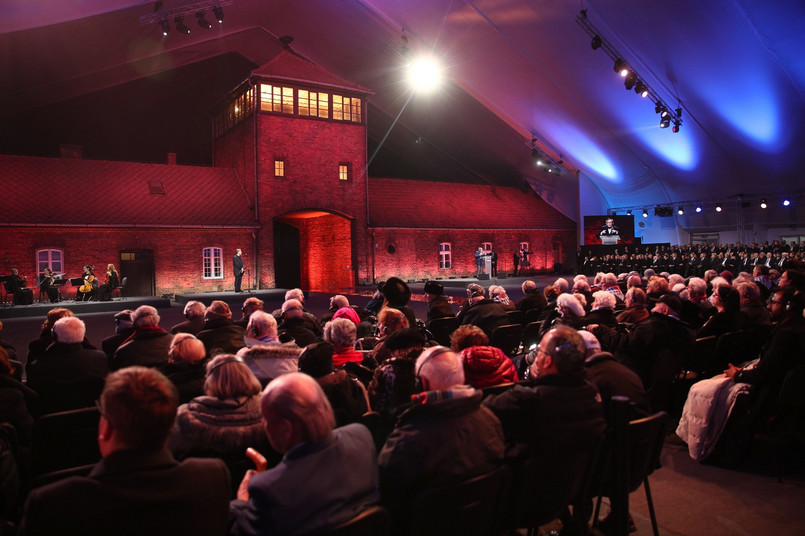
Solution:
(267, 361)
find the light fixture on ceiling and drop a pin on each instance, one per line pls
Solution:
(218, 11)
(645, 213)
(166, 26)
(718, 207)
(665, 121)
(204, 23)
(596, 42)
(180, 25)
(630, 81)
(763, 204)
(677, 124)
(621, 67)
(698, 208)
(629, 212)
(786, 202)
(544, 160)
(641, 89)
(680, 211)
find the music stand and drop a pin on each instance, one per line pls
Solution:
(76, 282)
(59, 283)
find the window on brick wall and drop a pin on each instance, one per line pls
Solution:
(344, 171)
(49, 258)
(276, 99)
(525, 246)
(213, 266)
(445, 256)
(487, 246)
(280, 167)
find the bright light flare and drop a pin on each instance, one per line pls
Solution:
(424, 74)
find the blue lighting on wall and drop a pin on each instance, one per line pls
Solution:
(678, 149)
(583, 150)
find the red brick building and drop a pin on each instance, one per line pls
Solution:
(289, 187)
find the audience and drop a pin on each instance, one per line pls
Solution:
(268, 358)
(311, 322)
(389, 320)
(123, 330)
(16, 400)
(728, 317)
(186, 366)
(194, 313)
(249, 306)
(602, 310)
(294, 323)
(635, 311)
(438, 304)
(341, 333)
(219, 334)
(532, 297)
(148, 346)
(396, 295)
(484, 313)
(484, 365)
(393, 381)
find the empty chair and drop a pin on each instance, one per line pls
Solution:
(442, 328)
(374, 521)
(65, 439)
(472, 507)
(507, 338)
(121, 288)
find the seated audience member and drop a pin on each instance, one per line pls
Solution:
(16, 286)
(756, 313)
(249, 306)
(137, 488)
(570, 313)
(446, 436)
(16, 400)
(394, 382)
(657, 287)
(294, 324)
(557, 408)
(38, 346)
(396, 295)
(220, 334)
(479, 311)
(148, 346)
(7, 346)
(349, 313)
(336, 302)
(614, 379)
(438, 304)
(635, 311)
(337, 467)
(550, 312)
(498, 294)
(484, 365)
(728, 317)
(609, 283)
(697, 308)
(311, 322)
(341, 333)
(583, 287)
(389, 320)
(194, 314)
(67, 375)
(793, 279)
(226, 418)
(602, 310)
(532, 297)
(346, 394)
(562, 285)
(268, 358)
(186, 366)
(123, 330)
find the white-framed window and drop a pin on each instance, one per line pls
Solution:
(213, 265)
(49, 258)
(487, 247)
(445, 256)
(525, 246)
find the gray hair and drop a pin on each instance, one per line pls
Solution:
(602, 298)
(261, 324)
(194, 309)
(69, 329)
(295, 294)
(569, 301)
(441, 367)
(145, 315)
(340, 332)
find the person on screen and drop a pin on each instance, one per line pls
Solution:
(609, 229)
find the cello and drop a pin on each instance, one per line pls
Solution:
(87, 288)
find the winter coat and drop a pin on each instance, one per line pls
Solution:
(486, 365)
(268, 361)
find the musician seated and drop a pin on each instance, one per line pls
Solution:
(48, 285)
(87, 291)
(111, 282)
(16, 285)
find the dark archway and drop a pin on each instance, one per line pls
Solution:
(286, 255)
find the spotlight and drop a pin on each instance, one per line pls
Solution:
(786, 202)
(596, 42)
(641, 89)
(679, 112)
(645, 213)
(631, 79)
(657, 107)
(621, 68)
(628, 212)
(166, 26)
(665, 121)
(677, 124)
(680, 211)
(424, 74)
(763, 203)
(204, 23)
(218, 11)
(718, 207)
(698, 208)
(180, 26)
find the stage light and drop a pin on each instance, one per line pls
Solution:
(698, 208)
(763, 203)
(166, 26)
(628, 212)
(424, 74)
(680, 211)
(596, 42)
(786, 202)
(180, 26)
(658, 107)
(218, 11)
(645, 213)
(204, 23)
(621, 68)
(641, 89)
(677, 124)
(665, 120)
(629, 82)
(718, 207)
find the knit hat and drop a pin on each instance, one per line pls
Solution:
(396, 291)
(348, 313)
(434, 287)
(218, 309)
(404, 338)
(317, 359)
(672, 301)
(123, 316)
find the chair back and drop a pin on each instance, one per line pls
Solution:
(65, 439)
(732, 347)
(703, 350)
(374, 521)
(442, 328)
(791, 403)
(532, 315)
(531, 334)
(507, 338)
(515, 317)
(646, 438)
(472, 507)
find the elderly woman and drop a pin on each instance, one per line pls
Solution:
(186, 366)
(388, 321)
(341, 333)
(226, 419)
(268, 358)
(484, 365)
(498, 294)
(571, 312)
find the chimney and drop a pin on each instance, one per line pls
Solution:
(171, 159)
(71, 151)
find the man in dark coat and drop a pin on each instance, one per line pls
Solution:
(137, 488)
(220, 334)
(123, 330)
(293, 324)
(532, 297)
(149, 344)
(237, 268)
(67, 375)
(479, 311)
(194, 315)
(440, 438)
(438, 304)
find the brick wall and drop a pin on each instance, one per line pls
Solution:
(235, 150)
(327, 255)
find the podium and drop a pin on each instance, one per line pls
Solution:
(488, 264)
(610, 240)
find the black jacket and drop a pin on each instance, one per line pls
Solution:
(146, 348)
(221, 335)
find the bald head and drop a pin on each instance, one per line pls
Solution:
(296, 410)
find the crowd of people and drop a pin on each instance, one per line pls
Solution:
(296, 391)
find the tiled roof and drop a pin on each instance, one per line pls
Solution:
(94, 192)
(426, 204)
(288, 66)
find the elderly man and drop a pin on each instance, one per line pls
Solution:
(438, 304)
(149, 344)
(67, 375)
(194, 314)
(294, 323)
(337, 467)
(479, 311)
(267, 357)
(603, 309)
(311, 322)
(220, 334)
(123, 330)
(249, 306)
(532, 297)
(137, 488)
(445, 436)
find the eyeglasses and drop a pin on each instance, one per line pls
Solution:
(775, 301)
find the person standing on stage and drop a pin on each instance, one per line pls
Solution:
(238, 269)
(479, 261)
(516, 259)
(494, 265)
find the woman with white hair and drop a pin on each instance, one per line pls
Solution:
(341, 333)
(571, 313)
